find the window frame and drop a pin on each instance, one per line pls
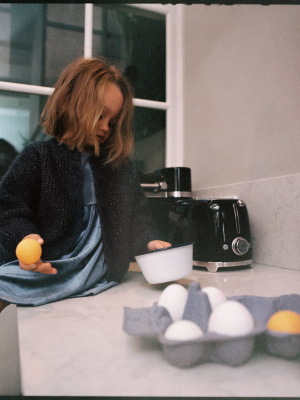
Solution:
(174, 76)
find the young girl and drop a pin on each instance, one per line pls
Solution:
(77, 193)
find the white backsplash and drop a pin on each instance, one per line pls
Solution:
(274, 213)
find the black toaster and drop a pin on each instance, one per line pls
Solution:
(219, 228)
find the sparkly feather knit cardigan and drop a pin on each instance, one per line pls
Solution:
(42, 193)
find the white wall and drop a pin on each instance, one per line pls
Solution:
(242, 93)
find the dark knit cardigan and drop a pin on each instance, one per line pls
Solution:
(42, 193)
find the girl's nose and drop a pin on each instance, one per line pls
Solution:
(103, 125)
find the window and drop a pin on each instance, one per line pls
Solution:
(38, 40)
(135, 42)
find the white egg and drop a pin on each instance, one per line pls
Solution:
(231, 318)
(173, 298)
(215, 296)
(183, 330)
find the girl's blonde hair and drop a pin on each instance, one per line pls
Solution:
(74, 108)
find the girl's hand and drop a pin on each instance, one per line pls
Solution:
(157, 244)
(39, 266)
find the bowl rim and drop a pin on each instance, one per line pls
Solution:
(167, 248)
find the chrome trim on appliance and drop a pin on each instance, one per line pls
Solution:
(223, 229)
(237, 221)
(179, 194)
(168, 194)
(235, 247)
(214, 207)
(156, 194)
(159, 185)
(214, 266)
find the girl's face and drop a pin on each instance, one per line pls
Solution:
(113, 101)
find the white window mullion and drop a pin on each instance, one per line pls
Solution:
(180, 57)
(158, 105)
(43, 90)
(24, 88)
(88, 30)
(170, 123)
(175, 87)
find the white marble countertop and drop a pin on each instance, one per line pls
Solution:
(77, 347)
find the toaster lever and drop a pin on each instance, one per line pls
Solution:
(237, 220)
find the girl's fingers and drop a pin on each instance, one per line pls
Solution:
(34, 236)
(158, 244)
(44, 268)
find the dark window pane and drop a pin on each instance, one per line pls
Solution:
(19, 124)
(64, 38)
(66, 14)
(136, 42)
(21, 30)
(150, 139)
(38, 40)
(62, 47)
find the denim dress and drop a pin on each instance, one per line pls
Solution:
(79, 273)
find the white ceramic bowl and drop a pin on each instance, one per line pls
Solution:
(168, 264)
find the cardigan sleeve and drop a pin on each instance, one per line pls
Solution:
(19, 190)
(143, 227)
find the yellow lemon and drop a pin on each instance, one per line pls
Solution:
(29, 251)
(286, 321)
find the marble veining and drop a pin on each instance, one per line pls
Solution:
(77, 347)
(274, 213)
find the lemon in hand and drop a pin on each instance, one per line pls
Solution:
(29, 251)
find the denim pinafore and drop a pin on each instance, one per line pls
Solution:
(79, 273)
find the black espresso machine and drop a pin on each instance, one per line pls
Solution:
(219, 228)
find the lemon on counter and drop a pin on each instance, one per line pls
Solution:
(29, 251)
(285, 321)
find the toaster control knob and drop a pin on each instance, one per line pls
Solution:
(240, 246)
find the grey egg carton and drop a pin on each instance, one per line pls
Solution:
(151, 322)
